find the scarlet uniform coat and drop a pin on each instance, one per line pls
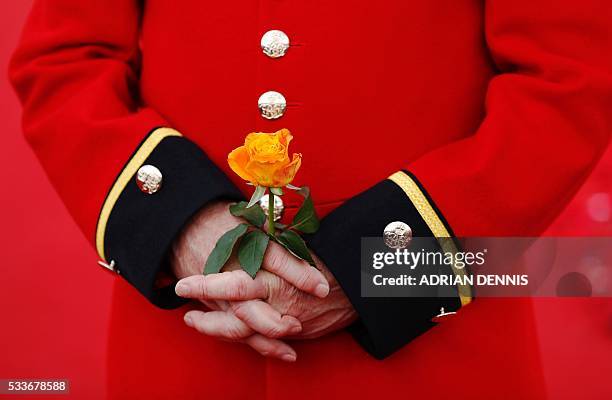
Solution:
(498, 108)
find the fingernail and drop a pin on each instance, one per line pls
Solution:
(296, 329)
(288, 357)
(188, 321)
(322, 290)
(181, 289)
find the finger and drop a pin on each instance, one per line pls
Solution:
(212, 305)
(271, 347)
(222, 304)
(263, 318)
(232, 285)
(297, 272)
(220, 324)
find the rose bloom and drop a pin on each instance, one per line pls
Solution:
(264, 159)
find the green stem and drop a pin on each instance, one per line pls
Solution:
(271, 227)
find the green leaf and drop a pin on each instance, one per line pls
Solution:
(255, 215)
(292, 187)
(223, 249)
(296, 246)
(251, 251)
(277, 191)
(306, 218)
(257, 195)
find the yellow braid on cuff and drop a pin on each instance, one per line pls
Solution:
(128, 172)
(435, 224)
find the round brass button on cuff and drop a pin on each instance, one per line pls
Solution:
(274, 43)
(397, 235)
(272, 105)
(148, 179)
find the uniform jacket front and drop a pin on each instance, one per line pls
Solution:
(469, 117)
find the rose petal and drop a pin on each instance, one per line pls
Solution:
(285, 137)
(238, 160)
(263, 173)
(285, 175)
(264, 159)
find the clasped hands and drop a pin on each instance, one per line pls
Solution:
(288, 299)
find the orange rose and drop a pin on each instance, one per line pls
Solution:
(264, 159)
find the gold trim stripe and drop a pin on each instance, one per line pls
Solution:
(124, 178)
(435, 224)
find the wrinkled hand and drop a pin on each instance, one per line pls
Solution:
(292, 288)
(318, 316)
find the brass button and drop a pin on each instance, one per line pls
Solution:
(272, 105)
(264, 203)
(148, 179)
(397, 235)
(274, 43)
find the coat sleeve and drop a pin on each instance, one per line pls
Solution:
(547, 122)
(76, 73)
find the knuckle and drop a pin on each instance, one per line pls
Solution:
(278, 258)
(229, 291)
(233, 332)
(202, 287)
(274, 331)
(242, 287)
(279, 290)
(305, 279)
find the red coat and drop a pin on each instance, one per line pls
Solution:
(500, 108)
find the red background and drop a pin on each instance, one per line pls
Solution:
(55, 299)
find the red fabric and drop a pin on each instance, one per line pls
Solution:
(500, 108)
(54, 301)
